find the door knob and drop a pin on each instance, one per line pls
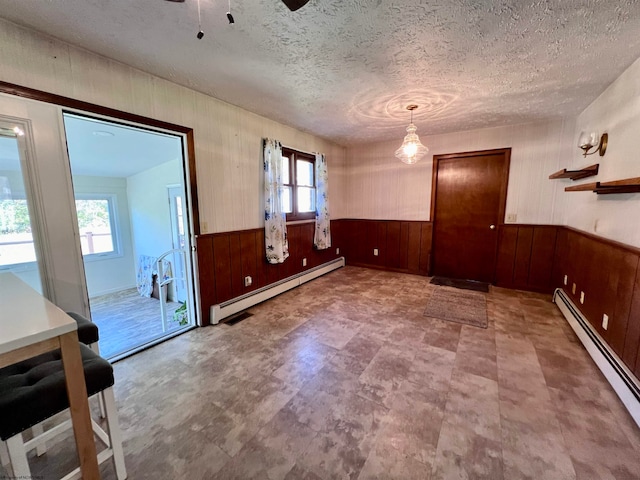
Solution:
(492, 227)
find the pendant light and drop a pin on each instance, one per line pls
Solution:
(411, 149)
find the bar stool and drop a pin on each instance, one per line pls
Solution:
(34, 390)
(88, 334)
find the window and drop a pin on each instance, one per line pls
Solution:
(16, 238)
(97, 224)
(298, 177)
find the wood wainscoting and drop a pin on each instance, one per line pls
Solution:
(530, 257)
(605, 273)
(609, 275)
(225, 259)
(403, 246)
(526, 256)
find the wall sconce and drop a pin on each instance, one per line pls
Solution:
(589, 140)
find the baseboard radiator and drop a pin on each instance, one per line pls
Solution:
(238, 304)
(616, 372)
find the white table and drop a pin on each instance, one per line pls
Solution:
(30, 325)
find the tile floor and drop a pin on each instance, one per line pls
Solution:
(345, 378)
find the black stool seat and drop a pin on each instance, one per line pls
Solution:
(34, 390)
(87, 330)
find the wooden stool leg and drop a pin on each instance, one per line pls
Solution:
(4, 454)
(103, 413)
(37, 431)
(114, 433)
(18, 457)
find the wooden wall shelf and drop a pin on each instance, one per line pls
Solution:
(585, 172)
(628, 185)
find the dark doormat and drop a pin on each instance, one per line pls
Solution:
(463, 284)
(238, 318)
(458, 306)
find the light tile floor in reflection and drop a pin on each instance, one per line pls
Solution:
(345, 378)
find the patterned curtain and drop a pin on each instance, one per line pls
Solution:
(322, 237)
(275, 220)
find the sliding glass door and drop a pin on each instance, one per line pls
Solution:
(129, 192)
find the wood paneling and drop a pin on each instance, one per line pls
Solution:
(607, 273)
(631, 352)
(530, 257)
(543, 251)
(526, 255)
(403, 246)
(414, 231)
(222, 268)
(426, 235)
(537, 258)
(225, 259)
(206, 271)
(507, 243)
(523, 256)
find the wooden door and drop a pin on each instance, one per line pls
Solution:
(467, 206)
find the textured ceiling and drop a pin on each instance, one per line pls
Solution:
(345, 70)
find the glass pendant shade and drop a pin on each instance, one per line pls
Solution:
(411, 149)
(588, 140)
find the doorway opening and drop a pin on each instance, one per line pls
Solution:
(468, 201)
(135, 240)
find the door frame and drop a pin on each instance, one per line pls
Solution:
(190, 181)
(503, 195)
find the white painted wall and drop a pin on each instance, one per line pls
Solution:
(617, 112)
(111, 274)
(228, 140)
(379, 186)
(149, 207)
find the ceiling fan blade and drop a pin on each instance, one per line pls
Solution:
(295, 4)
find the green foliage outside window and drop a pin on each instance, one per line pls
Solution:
(14, 216)
(92, 213)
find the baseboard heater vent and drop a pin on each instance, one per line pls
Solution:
(616, 372)
(238, 304)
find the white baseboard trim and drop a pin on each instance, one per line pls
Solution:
(626, 386)
(236, 305)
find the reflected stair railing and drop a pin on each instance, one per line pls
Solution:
(167, 281)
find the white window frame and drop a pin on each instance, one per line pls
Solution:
(112, 202)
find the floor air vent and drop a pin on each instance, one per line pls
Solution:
(615, 371)
(238, 318)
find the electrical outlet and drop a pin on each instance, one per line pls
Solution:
(304, 262)
(204, 227)
(566, 279)
(512, 217)
(605, 321)
(581, 297)
(248, 281)
(573, 289)
(337, 251)
(375, 252)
